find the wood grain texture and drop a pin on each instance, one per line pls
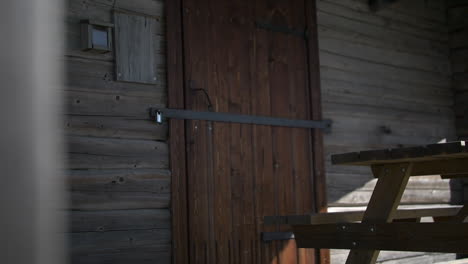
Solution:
(383, 204)
(176, 99)
(433, 152)
(458, 24)
(119, 220)
(245, 69)
(431, 237)
(106, 153)
(355, 216)
(113, 243)
(123, 180)
(119, 180)
(363, 56)
(134, 48)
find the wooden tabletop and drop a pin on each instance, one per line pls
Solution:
(446, 151)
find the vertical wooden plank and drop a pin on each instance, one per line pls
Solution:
(222, 133)
(263, 159)
(197, 70)
(383, 204)
(319, 177)
(239, 85)
(280, 66)
(134, 48)
(180, 250)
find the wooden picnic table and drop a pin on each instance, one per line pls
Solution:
(377, 229)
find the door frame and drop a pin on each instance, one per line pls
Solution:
(177, 128)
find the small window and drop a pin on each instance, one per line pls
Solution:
(96, 37)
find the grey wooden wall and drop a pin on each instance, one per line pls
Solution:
(386, 82)
(118, 159)
(458, 27)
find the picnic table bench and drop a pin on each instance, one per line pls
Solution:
(382, 226)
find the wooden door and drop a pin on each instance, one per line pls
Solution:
(256, 58)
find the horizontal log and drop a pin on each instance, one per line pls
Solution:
(387, 57)
(106, 153)
(406, 25)
(120, 180)
(114, 127)
(134, 256)
(118, 220)
(388, 96)
(386, 72)
(81, 200)
(399, 40)
(110, 104)
(96, 76)
(84, 243)
(355, 216)
(428, 237)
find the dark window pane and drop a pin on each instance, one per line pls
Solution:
(99, 37)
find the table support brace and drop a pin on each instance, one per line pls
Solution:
(391, 183)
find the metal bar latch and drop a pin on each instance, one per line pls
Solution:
(159, 115)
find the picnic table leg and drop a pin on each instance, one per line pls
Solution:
(391, 183)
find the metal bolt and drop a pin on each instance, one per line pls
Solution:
(196, 127)
(354, 244)
(343, 227)
(403, 169)
(154, 78)
(372, 229)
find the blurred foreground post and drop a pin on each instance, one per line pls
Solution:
(31, 192)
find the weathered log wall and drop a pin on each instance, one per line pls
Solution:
(118, 172)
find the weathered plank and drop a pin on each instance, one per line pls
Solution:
(378, 33)
(358, 10)
(86, 200)
(430, 237)
(355, 216)
(176, 99)
(138, 255)
(433, 152)
(399, 97)
(355, 64)
(134, 48)
(125, 180)
(114, 127)
(87, 243)
(395, 15)
(104, 104)
(115, 220)
(106, 153)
